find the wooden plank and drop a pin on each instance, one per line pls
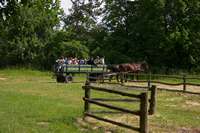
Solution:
(107, 112)
(136, 87)
(158, 75)
(113, 122)
(164, 83)
(112, 83)
(139, 81)
(112, 91)
(129, 86)
(79, 68)
(184, 83)
(111, 106)
(192, 84)
(167, 76)
(174, 90)
(84, 72)
(192, 78)
(115, 100)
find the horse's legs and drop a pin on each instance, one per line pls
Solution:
(117, 77)
(137, 76)
(126, 77)
(121, 78)
(132, 76)
(110, 78)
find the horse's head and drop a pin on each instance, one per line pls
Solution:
(113, 68)
(144, 66)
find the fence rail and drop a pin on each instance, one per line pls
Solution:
(183, 80)
(143, 112)
(113, 122)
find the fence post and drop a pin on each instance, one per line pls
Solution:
(125, 77)
(144, 113)
(87, 95)
(91, 68)
(184, 83)
(103, 77)
(149, 81)
(66, 68)
(122, 77)
(153, 100)
(79, 68)
(87, 78)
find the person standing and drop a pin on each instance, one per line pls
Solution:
(66, 61)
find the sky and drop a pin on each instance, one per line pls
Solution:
(66, 4)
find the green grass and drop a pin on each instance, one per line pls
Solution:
(31, 101)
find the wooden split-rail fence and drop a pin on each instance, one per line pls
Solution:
(147, 106)
(179, 80)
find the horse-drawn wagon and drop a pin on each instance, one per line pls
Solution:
(65, 73)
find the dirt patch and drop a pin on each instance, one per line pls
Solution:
(90, 125)
(43, 124)
(189, 88)
(192, 103)
(189, 130)
(3, 79)
(93, 125)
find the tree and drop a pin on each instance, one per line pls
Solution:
(61, 44)
(159, 31)
(83, 22)
(28, 25)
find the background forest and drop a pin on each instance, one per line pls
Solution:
(164, 33)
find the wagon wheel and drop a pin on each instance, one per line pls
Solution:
(70, 78)
(60, 78)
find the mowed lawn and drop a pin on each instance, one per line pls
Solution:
(31, 101)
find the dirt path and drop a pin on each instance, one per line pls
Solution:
(3, 79)
(189, 88)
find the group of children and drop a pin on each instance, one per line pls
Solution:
(70, 60)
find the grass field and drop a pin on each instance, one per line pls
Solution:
(32, 102)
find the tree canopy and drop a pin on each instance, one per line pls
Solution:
(164, 33)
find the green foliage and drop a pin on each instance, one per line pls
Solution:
(74, 49)
(165, 33)
(61, 44)
(28, 25)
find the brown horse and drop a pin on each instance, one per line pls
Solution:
(134, 67)
(128, 68)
